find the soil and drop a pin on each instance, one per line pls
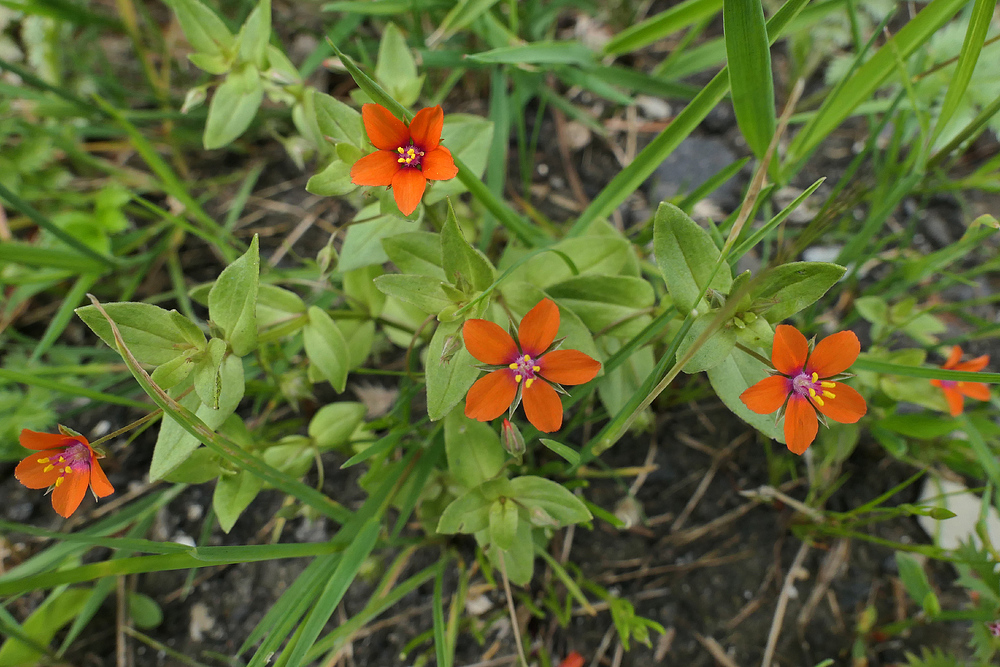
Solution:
(702, 559)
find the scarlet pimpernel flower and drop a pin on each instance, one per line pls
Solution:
(528, 369)
(64, 464)
(407, 156)
(806, 382)
(955, 391)
(574, 659)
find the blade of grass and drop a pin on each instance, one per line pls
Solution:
(350, 564)
(444, 658)
(77, 293)
(31, 212)
(748, 56)
(663, 24)
(867, 78)
(629, 179)
(865, 363)
(69, 389)
(975, 36)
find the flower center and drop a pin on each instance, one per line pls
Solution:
(810, 386)
(74, 458)
(949, 384)
(524, 369)
(410, 156)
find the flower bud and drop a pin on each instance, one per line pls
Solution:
(512, 440)
(452, 344)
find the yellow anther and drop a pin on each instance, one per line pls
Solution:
(818, 400)
(536, 368)
(401, 160)
(828, 385)
(400, 150)
(43, 460)
(829, 394)
(527, 383)
(60, 481)
(48, 468)
(812, 392)
(513, 366)
(60, 460)
(67, 470)
(518, 378)
(815, 377)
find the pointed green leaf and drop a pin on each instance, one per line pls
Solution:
(232, 302)
(326, 348)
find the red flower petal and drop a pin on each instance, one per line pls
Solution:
(834, 354)
(768, 395)
(36, 440)
(491, 395)
(408, 188)
(438, 165)
(973, 365)
(976, 390)
(385, 131)
(955, 400)
(542, 406)
(425, 128)
(378, 168)
(488, 342)
(99, 481)
(574, 659)
(847, 406)
(568, 367)
(30, 471)
(538, 328)
(789, 350)
(801, 424)
(953, 358)
(67, 496)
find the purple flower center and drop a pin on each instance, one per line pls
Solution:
(74, 458)
(525, 368)
(949, 384)
(811, 387)
(410, 156)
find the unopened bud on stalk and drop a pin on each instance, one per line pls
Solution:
(452, 344)
(512, 440)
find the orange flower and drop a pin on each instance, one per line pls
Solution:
(574, 659)
(806, 382)
(518, 365)
(66, 465)
(407, 157)
(954, 391)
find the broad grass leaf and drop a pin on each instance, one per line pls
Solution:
(473, 450)
(464, 266)
(333, 424)
(610, 304)
(42, 625)
(154, 335)
(326, 348)
(396, 69)
(714, 351)
(363, 241)
(233, 107)
(232, 301)
(205, 31)
(748, 58)
(424, 292)
(787, 289)
(333, 181)
(416, 252)
(734, 375)
(548, 504)
(503, 523)
(687, 257)
(448, 381)
(233, 494)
